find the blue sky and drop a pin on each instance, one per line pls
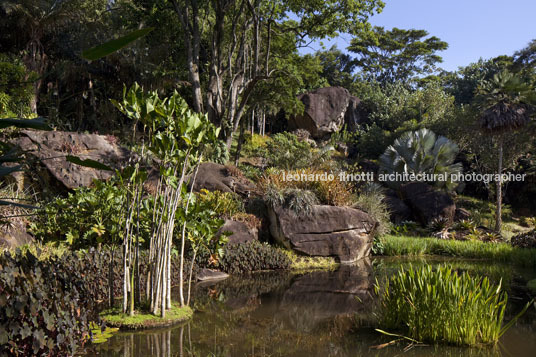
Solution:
(472, 28)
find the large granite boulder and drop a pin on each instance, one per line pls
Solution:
(343, 232)
(240, 232)
(427, 203)
(326, 111)
(52, 147)
(216, 177)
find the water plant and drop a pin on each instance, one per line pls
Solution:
(443, 306)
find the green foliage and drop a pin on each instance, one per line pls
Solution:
(422, 152)
(15, 88)
(298, 201)
(285, 151)
(99, 335)
(87, 216)
(371, 200)
(224, 204)
(115, 45)
(496, 252)
(144, 319)
(393, 109)
(252, 256)
(442, 306)
(45, 305)
(396, 55)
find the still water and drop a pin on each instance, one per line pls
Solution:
(318, 313)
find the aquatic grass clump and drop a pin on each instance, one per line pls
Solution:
(442, 306)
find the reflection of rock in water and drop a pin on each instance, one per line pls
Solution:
(317, 296)
(243, 290)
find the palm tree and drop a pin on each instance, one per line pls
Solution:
(505, 103)
(422, 152)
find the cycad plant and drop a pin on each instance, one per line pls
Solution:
(506, 102)
(422, 152)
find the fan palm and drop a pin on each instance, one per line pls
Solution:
(505, 103)
(422, 152)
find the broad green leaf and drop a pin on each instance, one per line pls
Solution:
(37, 123)
(88, 163)
(112, 46)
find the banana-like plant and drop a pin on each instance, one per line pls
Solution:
(421, 152)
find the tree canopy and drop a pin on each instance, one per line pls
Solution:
(394, 55)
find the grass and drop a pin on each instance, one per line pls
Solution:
(141, 320)
(303, 263)
(440, 305)
(497, 252)
(483, 214)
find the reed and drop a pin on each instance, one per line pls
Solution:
(442, 306)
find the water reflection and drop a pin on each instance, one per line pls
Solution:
(319, 313)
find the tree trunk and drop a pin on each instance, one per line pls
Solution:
(498, 214)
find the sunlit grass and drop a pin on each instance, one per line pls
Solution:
(497, 252)
(439, 305)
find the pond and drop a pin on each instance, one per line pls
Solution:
(318, 313)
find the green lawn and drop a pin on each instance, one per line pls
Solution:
(417, 246)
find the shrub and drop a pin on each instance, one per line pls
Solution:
(87, 216)
(45, 305)
(371, 201)
(329, 192)
(285, 151)
(252, 256)
(443, 306)
(299, 201)
(224, 204)
(422, 152)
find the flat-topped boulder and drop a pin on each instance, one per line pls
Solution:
(326, 111)
(342, 232)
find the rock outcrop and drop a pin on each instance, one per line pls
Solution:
(326, 111)
(52, 147)
(428, 203)
(343, 232)
(216, 177)
(240, 232)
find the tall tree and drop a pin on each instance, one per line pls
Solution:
(31, 22)
(238, 36)
(506, 102)
(394, 55)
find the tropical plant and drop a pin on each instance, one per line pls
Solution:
(506, 103)
(421, 152)
(441, 305)
(178, 138)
